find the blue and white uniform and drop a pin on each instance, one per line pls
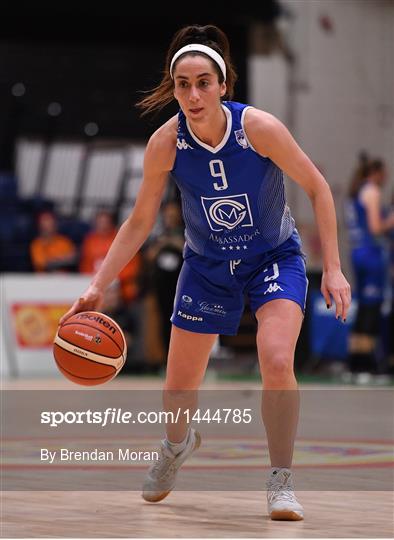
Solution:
(368, 253)
(240, 235)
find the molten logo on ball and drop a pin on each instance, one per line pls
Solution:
(98, 319)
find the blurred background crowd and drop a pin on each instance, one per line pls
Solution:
(71, 152)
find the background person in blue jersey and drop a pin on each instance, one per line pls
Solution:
(368, 225)
(227, 159)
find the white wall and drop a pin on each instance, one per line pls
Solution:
(40, 295)
(344, 88)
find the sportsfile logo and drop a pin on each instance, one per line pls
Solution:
(191, 318)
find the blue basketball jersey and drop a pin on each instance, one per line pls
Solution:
(357, 222)
(233, 199)
(369, 254)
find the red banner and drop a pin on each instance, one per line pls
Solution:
(35, 324)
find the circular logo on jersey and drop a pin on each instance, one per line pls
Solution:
(227, 213)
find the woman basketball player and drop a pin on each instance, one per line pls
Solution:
(227, 160)
(370, 259)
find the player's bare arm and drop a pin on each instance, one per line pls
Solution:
(372, 200)
(158, 161)
(272, 139)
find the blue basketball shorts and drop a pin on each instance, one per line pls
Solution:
(210, 293)
(370, 271)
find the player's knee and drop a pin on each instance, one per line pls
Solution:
(278, 367)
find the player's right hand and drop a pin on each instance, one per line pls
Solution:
(90, 300)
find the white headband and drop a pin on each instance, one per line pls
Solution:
(197, 47)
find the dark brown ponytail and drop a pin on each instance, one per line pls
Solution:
(209, 35)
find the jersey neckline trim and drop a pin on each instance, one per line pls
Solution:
(214, 149)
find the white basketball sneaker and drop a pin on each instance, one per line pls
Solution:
(162, 474)
(282, 503)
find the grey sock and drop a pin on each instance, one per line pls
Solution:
(275, 470)
(177, 448)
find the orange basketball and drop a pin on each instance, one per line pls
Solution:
(90, 348)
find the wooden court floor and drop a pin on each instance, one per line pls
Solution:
(188, 515)
(185, 514)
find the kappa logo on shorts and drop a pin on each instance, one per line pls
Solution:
(273, 287)
(227, 212)
(191, 318)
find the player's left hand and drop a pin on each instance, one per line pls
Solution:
(334, 287)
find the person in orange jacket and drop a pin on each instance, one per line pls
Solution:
(51, 251)
(95, 247)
